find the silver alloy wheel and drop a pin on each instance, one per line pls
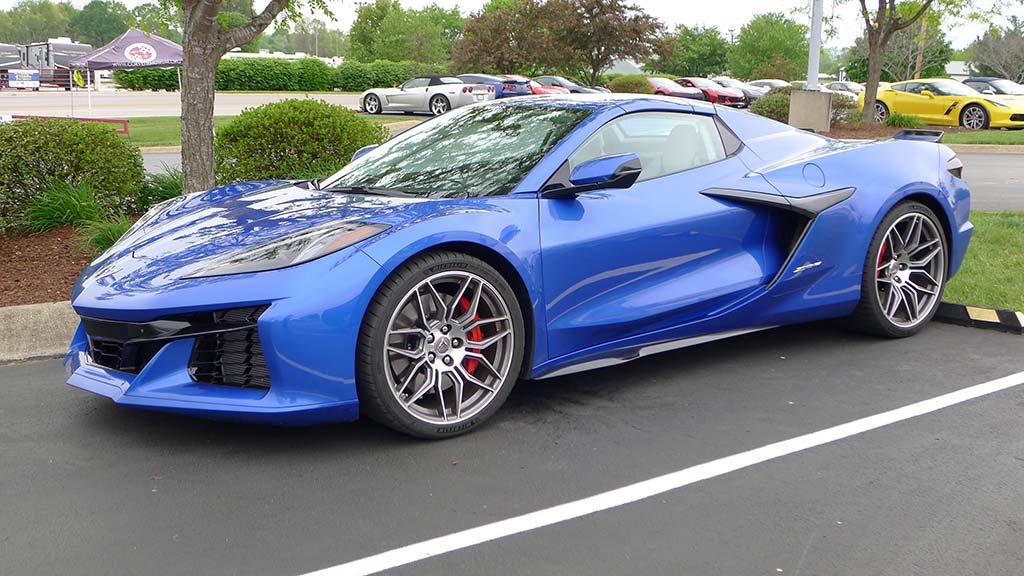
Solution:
(372, 105)
(438, 105)
(974, 118)
(449, 347)
(881, 112)
(910, 268)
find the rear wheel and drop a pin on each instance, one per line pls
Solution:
(441, 346)
(439, 105)
(881, 112)
(904, 273)
(371, 104)
(974, 117)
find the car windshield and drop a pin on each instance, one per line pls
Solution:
(701, 82)
(473, 151)
(1007, 87)
(951, 88)
(667, 84)
(729, 82)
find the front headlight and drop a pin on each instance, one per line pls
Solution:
(291, 250)
(997, 103)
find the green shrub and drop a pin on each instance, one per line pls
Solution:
(313, 75)
(37, 153)
(61, 204)
(774, 105)
(256, 74)
(101, 234)
(360, 76)
(898, 120)
(631, 84)
(291, 138)
(352, 76)
(147, 79)
(159, 187)
(606, 79)
(845, 113)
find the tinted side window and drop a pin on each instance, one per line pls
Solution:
(665, 142)
(979, 86)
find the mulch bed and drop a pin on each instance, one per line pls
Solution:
(43, 268)
(879, 131)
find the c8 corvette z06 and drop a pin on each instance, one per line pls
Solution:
(521, 238)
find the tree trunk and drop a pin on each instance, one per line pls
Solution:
(202, 52)
(874, 76)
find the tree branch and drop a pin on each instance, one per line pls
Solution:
(901, 24)
(866, 15)
(238, 36)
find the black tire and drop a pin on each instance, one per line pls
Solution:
(376, 397)
(371, 104)
(974, 109)
(881, 111)
(439, 105)
(869, 316)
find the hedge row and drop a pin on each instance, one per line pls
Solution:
(278, 74)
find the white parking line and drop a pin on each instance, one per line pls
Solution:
(654, 486)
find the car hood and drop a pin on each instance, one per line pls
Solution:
(193, 230)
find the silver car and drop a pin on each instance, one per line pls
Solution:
(425, 94)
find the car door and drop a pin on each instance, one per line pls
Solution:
(412, 96)
(627, 263)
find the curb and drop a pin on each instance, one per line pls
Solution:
(160, 149)
(36, 330)
(986, 148)
(985, 318)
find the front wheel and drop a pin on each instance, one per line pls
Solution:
(881, 112)
(904, 273)
(441, 346)
(372, 104)
(974, 117)
(439, 105)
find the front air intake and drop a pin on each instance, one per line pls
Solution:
(232, 357)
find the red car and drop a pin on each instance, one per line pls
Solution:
(537, 87)
(715, 92)
(666, 87)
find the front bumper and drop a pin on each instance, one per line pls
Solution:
(308, 337)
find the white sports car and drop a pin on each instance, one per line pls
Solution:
(427, 94)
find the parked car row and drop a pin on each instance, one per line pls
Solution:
(947, 102)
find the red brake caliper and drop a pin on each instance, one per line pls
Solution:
(881, 256)
(476, 334)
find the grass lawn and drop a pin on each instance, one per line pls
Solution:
(985, 137)
(166, 130)
(993, 272)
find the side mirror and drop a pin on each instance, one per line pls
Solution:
(927, 93)
(988, 91)
(362, 151)
(617, 171)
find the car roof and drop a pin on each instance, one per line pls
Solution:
(604, 100)
(982, 79)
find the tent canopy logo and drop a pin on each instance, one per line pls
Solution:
(140, 52)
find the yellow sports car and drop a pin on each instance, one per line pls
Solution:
(946, 102)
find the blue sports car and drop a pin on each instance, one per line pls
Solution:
(523, 238)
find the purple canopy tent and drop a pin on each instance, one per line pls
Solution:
(133, 49)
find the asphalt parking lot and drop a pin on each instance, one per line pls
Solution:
(87, 487)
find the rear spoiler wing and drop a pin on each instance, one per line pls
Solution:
(923, 135)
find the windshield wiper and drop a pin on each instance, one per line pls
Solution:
(369, 191)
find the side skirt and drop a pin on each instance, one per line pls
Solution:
(650, 350)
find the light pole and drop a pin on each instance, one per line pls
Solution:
(814, 53)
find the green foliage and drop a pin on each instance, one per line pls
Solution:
(256, 74)
(631, 84)
(845, 113)
(1000, 51)
(900, 120)
(993, 271)
(159, 187)
(353, 76)
(37, 153)
(147, 79)
(768, 39)
(102, 234)
(291, 138)
(100, 21)
(698, 51)
(774, 105)
(61, 204)
(383, 30)
(899, 60)
(313, 75)
(34, 20)
(160, 18)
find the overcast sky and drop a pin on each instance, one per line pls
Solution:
(727, 15)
